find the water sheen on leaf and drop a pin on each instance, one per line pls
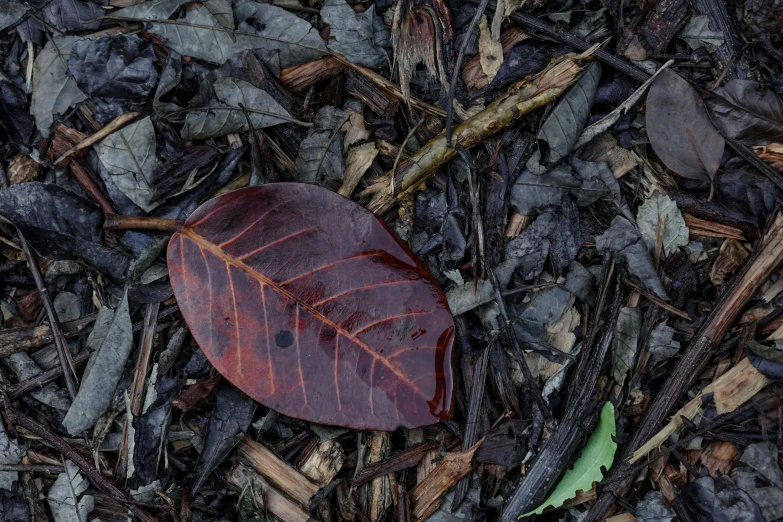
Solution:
(309, 304)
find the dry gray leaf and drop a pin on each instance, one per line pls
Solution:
(129, 156)
(169, 80)
(624, 344)
(624, 241)
(106, 366)
(320, 159)
(198, 35)
(661, 343)
(698, 33)
(232, 92)
(10, 12)
(222, 11)
(285, 40)
(652, 509)
(763, 478)
(586, 181)
(63, 496)
(746, 113)
(675, 231)
(67, 306)
(54, 92)
(26, 368)
(680, 129)
(151, 10)
(561, 130)
(10, 453)
(468, 296)
(360, 37)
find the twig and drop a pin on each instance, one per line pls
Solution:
(16, 418)
(64, 354)
(461, 56)
(33, 468)
(139, 380)
(758, 268)
(82, 176)
(119, 222)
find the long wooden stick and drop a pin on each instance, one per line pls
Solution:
(767, 257)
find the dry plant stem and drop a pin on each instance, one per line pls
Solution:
(84, 179)
(139, 381)
(119, 222)
(536, 24)
(15, 418)
(455, 78)
(33, 468)
(520, 99)
(66, 363)
(758, 268)
(406, 459)
(285, 478)
(14, 340)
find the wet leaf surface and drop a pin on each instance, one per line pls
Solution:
(312, 317)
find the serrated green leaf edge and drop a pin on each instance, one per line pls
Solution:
(599, 451)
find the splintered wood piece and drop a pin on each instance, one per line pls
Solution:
(428, 494)
(302, 77)
(266, 496)
(704, 228)
(378, 99)
(324, 463)
(380, 497)
(730, 391)
(772, 154)
(277, 472)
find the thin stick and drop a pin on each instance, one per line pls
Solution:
(463, 48)
(64, 354)
(399, 153)
(80, 174)
(119, 222)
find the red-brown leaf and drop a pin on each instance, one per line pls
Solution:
(312, 306)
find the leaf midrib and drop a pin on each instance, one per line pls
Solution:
(225, 256)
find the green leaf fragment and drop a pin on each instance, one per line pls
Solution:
(597, 453)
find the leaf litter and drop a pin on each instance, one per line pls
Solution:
(594, 255)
